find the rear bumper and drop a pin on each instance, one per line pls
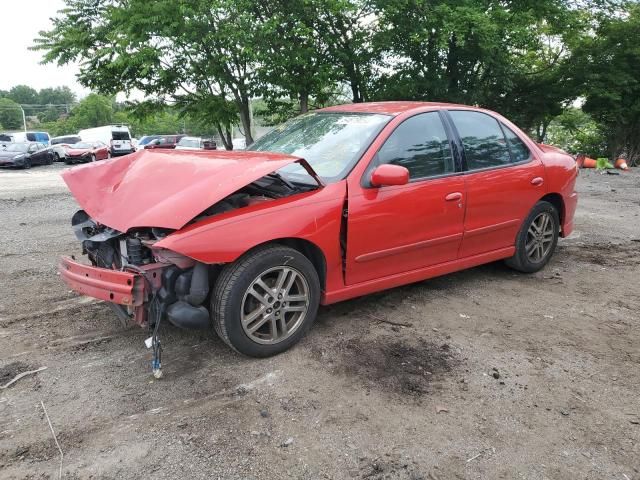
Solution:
(123, 288)
(570, 204)
(119, 153)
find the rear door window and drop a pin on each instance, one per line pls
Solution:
(482, 139)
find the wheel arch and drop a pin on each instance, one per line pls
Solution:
(557, 201)
(307, 248)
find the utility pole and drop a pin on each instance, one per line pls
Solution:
(24, 119)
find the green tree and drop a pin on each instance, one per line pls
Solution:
(23, 94)
(348, 29)
(296, 62)
(164, 49)
(577, 132)
(56, 96)
(10, 114)
(612, 81)
(514, 57)
(92, 111)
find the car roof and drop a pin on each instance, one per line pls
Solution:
(387, 108)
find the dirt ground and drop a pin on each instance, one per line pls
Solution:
(494, 375)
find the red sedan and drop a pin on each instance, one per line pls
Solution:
(86, 152)
(334, 204)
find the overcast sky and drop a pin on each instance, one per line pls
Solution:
(21, 22)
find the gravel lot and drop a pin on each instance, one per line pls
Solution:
(494, 374)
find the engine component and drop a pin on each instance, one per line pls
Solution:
(183, 315)
(136, 252)
(199, 288)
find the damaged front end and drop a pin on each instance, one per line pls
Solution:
(143, 282)
(136, 279)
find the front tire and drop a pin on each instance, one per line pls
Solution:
(93, 158)
(537, 239)
(265, 302)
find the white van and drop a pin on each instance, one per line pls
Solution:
(118, 137)
(21, 137)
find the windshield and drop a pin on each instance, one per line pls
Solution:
(146, 139)
(68, 140)
(81, 145)
(331, 142)
(189, 142)
(17, 147)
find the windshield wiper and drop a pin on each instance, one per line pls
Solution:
(283, 180)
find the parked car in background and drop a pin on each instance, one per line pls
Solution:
(195, 143)
(338, 203)
(116, 137)
(164, 141)
(25, 155)
(144, 140)
(60, 144)
(82, 152)
(239, 143)
(23, 137)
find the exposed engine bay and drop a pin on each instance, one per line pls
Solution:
(175, 287)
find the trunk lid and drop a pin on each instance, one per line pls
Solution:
(166, 189)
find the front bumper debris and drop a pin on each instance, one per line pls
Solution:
(122, 288)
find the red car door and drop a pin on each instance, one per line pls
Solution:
(394, 229)
(503, 181)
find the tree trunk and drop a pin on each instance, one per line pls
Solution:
(245, 119)
(542, 131)
(304, 102)
(226, 139)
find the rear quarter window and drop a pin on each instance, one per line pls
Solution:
(519, 151)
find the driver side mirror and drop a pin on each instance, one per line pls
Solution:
(387, 174)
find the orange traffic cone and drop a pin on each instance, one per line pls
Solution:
(621, 163)
(589, 163)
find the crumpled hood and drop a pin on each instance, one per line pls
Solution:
(166, 189)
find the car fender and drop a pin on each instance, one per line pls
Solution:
(315, 217)
(561, 173)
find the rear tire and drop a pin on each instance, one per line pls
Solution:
(537, 239)
(265, 302)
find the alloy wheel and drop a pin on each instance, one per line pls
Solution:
(539, 237)
(275, 305)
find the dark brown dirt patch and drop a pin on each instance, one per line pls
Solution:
(397, 366)
(9, 371)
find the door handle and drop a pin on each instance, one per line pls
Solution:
(537, 181)
(452, 197)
